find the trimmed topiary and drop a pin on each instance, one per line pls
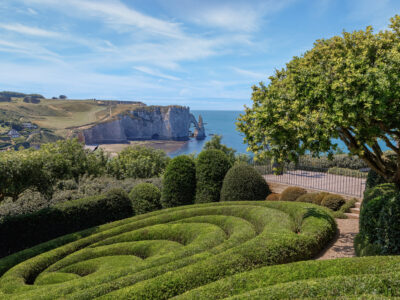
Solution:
(179, 182)
(292, 193)
(167, 253)
(63, 218)
(371, 223)
(319, 197)
(211, 168)
(145, 198)
(273, 197)
(333, 201)
(309, 198)
(243, 182)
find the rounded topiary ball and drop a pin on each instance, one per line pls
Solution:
(292, 193)
(273, 197)
(145, 198)
(211, 168)
(333, 201)
(179, 182)
(243, 182)
(308, 198)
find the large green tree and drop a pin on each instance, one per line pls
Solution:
(346, 87)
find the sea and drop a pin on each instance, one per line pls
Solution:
(222, 122)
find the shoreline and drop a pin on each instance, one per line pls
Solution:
(168, 146)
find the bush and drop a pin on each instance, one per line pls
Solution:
(292, 193)
(24, 231)
(347, 172)
(211, 168)
(379, 221)
(179, 182)
(165, 253)
(243, 182)
(273, 197)
(319, 197)
(309, 198)
(145, 198)
(138, 162)
(374, 201)
(66, 190)
(333, 202)
(373, 179)
(388, 225)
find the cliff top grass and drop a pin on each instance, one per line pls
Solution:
(64, 116)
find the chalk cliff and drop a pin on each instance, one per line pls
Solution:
(145, 123)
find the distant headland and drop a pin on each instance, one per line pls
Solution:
(30, 119)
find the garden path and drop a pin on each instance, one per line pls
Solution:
(343, 244)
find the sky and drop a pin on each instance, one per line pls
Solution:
(206, 54)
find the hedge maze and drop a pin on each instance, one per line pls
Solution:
(171, 252)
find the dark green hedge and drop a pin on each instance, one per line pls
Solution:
(179, 182)
(211, 169)
(145, 198)
(379, 221)
(243, 182)
(23, 231)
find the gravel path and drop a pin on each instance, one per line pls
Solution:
(343, 244)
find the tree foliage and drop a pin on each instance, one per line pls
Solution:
(138, 162)
(346, 87)
(41, 169)
(215, 143)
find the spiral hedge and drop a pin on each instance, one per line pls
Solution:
(166, 253)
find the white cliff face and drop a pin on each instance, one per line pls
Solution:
(153, 122)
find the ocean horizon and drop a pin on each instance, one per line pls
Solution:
(222, 122)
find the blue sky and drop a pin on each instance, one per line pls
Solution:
(203, 54)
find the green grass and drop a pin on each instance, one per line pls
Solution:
(168, 252)
(58, 115)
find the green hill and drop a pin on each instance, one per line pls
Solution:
(58, 118)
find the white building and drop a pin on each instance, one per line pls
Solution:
(29, 125)
(13, 134)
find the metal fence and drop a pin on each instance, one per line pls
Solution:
(312, 175)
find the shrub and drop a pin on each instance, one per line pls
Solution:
(66, 190)
(373, 179)
(292, 193)
(388, 225)
(374, 201)
(340, 214)
(145, 198)
(138, 162)
(273, 197)
(309, 198)
(179, 182)
(71, 216)
(165, 253)
(243, 182)
(347, 172)
(211, 169)
(379, 221)
(319, 197)
(333, 201)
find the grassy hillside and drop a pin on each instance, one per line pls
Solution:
(57, 117)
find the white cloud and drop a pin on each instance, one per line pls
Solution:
(250, 74)
(114, 13)
(155, 73)
(28, 30)
(32, 11)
